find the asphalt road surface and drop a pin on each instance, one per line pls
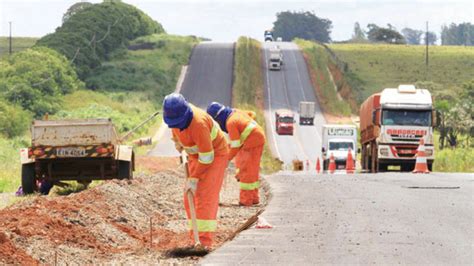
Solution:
(208, 78)
(389, 218)
(284, 89)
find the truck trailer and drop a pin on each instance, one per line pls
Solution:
(306, 112)
(392, 123)
(275, 59)
(78, 149)
(337, 140)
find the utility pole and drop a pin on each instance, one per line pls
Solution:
(427, 45)
(10, 41)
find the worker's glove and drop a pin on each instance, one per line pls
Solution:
(191, 184)
(178, 146)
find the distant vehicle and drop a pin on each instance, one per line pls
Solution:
(284, 120)
(392, 123)
(306, 112)
(81, 149)
(268, 36)
(276, 58)
(337, 139)
(279, 39)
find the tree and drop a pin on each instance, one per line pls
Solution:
(359, 35)
(432, 38)
(74, 9)
(305, 25)
(387, 35)
(462, 34)
(412, 36)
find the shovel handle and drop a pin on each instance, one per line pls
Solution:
(193, 217)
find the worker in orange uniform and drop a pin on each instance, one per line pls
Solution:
(195, 131)
(247, 139)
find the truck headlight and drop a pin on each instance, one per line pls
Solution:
(383, 151)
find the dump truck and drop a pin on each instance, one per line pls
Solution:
(337, 140)
(78, 149)
(392, 123)
(276, 58)
(284, 120)
(306, 112)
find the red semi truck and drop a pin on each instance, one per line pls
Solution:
(392, 123)
(284, 120)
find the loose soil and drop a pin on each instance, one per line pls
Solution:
(110, 223)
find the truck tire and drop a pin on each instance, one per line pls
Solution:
(28, 181)
(382, 167)
(125, 170)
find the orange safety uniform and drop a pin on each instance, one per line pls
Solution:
(208, 151)
(247, 139)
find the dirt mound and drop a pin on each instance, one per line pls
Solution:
(117, 222)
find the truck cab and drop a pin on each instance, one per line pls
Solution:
(268, 36)
(337, 140)
(284, 120)
(276, 58)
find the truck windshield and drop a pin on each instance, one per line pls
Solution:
(406, 118)
(275, 60)
(340, 146)
(285, 119)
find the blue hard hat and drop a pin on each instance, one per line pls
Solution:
(176, 110)
(214, 109)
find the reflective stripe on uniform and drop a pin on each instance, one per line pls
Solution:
(191, 150)
(214, 131)
(249, 186)
(235, 143)
(247, 131)
(204, 225)
(206, 157)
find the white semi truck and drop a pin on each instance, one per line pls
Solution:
(276, 58)
(337, 140)
(306, 112)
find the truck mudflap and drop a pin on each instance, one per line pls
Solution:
(91, 151)
(24, 158)
(124, 153)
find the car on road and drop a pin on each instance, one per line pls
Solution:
(284, 120)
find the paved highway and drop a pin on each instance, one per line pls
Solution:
(208, 78)
(285, 89)
(389, 218)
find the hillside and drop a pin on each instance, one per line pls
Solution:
(377, 66)
(18, 44)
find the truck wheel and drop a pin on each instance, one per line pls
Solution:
(28, 181)
(382, 167)
(125, 170)
(430, 167)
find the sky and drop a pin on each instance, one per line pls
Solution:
(226, 20)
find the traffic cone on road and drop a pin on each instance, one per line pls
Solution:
(350, 168)
(318, 166)
(332, 164)
(421, 165)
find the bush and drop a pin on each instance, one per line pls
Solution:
(97, 31)
(14, 121)
(34, 79)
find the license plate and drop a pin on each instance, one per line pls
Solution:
(71, 152)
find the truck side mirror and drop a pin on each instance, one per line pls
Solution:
(323, 149)
(358, 150)
(375, 118)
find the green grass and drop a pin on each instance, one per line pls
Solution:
(374, 67)
(460, 159)
(248, 91)
(18, 44)
(10, 163)
(319, 63)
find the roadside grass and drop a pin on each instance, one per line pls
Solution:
(10, 166)
(318, 62)
(247, 93)
(374, 67)
(18, 44)
(460, 159)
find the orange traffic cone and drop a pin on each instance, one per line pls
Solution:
(318, 166)
(350, 163)
(421, 165)
(332, 164)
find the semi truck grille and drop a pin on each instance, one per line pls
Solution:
(412, 138)
(406, 151)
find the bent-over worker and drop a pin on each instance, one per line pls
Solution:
(247, 139)
(195, 131)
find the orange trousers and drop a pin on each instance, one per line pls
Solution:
(248, 163)
(206, 199)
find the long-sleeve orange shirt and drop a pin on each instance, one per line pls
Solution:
(202, 140)
(244, 132)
